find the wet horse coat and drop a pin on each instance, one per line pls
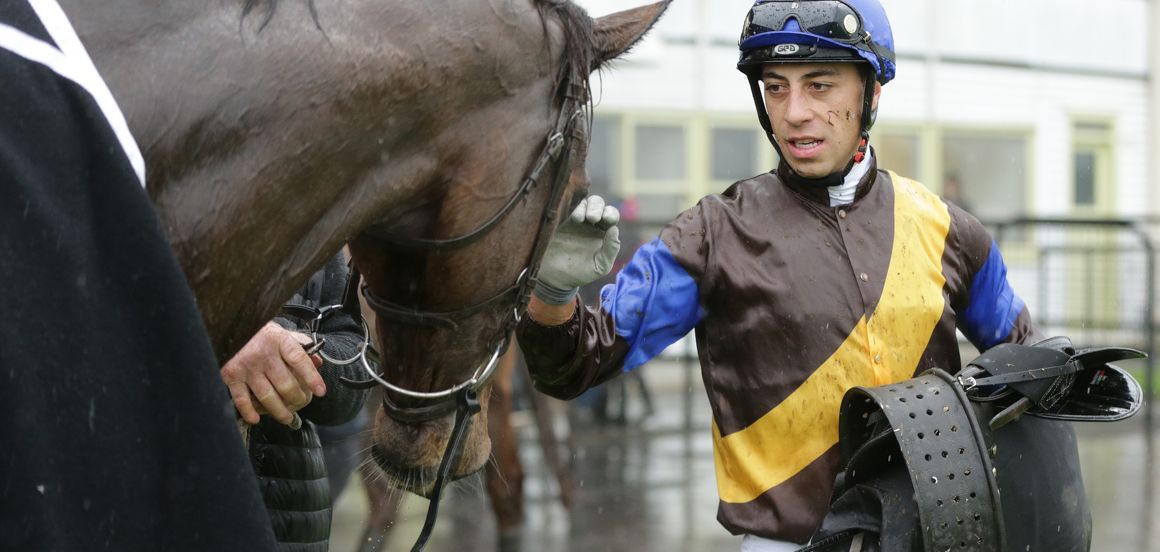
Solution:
(269, 141)
(275, 132)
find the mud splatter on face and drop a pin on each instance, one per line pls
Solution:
(830, 117)
(849, 115)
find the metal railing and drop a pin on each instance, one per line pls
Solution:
(1093, 280)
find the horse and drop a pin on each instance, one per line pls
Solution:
(275, 132)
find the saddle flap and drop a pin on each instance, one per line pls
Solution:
(1016, 365)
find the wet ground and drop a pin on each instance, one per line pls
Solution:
(647, 485)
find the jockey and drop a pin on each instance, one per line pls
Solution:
(821, 275)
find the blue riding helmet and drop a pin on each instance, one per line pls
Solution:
(811, 31)
(818, 31)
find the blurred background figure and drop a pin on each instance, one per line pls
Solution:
(953, 192)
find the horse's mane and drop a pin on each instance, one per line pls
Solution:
(249, 6)
(578, 38)
(574, 21)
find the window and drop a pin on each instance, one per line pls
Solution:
(896, 151)
(986, 174)
(660, 152)
(734, 154)
(1084, 177)
(604, 156)
(1091, 166)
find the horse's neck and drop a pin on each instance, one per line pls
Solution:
(267, 150)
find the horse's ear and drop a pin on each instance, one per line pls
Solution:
(614, 34)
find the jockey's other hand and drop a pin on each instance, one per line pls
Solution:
(272, 374)
(581, 252)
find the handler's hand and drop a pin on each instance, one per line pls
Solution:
(274, 369)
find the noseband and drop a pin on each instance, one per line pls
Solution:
(462, 398)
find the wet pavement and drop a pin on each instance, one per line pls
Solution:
(647, 485)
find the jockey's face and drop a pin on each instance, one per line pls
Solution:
(816, 113)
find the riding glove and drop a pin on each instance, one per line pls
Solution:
(581, 252)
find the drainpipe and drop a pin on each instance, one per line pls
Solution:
(1154, 110)
(930, 161)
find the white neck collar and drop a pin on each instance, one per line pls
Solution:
(844, 194)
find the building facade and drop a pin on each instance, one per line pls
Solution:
(1032, 107)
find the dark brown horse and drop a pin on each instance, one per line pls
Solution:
(275, 131)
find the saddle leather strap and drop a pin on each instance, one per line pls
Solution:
(1029, 374)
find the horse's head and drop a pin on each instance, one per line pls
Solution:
(448, 271)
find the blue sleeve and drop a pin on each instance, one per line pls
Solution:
(993, 308)
(653, 303)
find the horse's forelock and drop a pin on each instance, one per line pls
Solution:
(249, 5)
(578, 39)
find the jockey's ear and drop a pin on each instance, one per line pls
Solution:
(614, 34)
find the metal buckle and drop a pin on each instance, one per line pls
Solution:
(555, 144)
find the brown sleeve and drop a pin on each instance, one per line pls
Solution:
(567, 360)
(971, 246)
(1025, 331)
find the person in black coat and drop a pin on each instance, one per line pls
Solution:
(117, 432)
(274, 376)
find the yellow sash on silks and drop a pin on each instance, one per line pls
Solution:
(884, 349)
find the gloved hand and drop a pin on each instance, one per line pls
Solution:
(581, 252)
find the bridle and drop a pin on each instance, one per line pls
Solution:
(462, 398)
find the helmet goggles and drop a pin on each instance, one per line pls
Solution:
(831, 19)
